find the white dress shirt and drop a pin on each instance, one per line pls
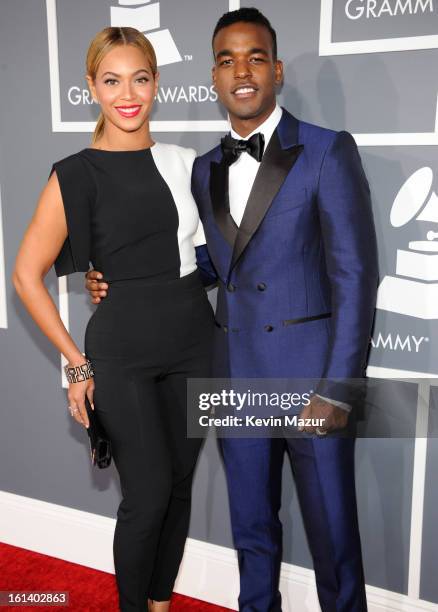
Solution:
(243, 172)
(241, 178)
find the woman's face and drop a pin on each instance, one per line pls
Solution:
(125, 87)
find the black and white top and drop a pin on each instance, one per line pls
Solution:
(131, 213)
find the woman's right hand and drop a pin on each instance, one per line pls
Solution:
(76, 398)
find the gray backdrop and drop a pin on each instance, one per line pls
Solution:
(373, 93)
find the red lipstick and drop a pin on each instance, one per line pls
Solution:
(128, 111)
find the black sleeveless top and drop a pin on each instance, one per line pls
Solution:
(122, 215)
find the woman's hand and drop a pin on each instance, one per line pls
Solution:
(76, 397)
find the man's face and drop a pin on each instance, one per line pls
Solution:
(245, 74)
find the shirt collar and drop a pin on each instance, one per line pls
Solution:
(266, 128)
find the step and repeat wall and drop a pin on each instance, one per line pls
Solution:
(368, 66)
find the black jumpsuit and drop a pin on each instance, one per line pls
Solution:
(152, 332)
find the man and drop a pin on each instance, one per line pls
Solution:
(287, 217)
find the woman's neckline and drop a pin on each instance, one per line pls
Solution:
(121, 151)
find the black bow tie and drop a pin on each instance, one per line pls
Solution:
(232, 148)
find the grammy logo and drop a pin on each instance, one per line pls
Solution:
(414, 289)
(143, 16)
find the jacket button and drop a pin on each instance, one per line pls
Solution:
(268, 328)
(225, 328)
(261, 286)
(231, 287)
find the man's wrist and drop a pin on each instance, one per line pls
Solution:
(338, 404)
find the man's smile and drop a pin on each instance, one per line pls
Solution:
(245, 91)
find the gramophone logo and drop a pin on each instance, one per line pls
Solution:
(186, 100)
(145, 16)
(413, 290)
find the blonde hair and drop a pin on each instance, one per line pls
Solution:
(105, 41)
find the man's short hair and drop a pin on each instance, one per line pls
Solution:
(247, 15)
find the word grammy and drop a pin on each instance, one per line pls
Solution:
(356, 9)
(165, 95)
(76, 96)
(395, 343)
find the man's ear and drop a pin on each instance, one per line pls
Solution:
(279, 74)
(213, 75)
(91, 87)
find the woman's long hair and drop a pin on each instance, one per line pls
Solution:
(105, 41)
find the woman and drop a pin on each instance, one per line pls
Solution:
(125, 205)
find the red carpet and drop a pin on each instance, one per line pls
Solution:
(89, 590)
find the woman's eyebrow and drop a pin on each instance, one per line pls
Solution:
(118, 75)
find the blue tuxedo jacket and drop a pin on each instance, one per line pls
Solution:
(298, 278)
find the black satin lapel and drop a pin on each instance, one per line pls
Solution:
(220, 200)
(276, 165)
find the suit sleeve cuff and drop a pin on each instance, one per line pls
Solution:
(342, 405)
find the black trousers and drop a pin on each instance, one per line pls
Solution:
(144, 340)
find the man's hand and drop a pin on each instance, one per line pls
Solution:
(334, 417)
(96, 289)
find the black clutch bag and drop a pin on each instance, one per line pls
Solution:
(99, 443)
